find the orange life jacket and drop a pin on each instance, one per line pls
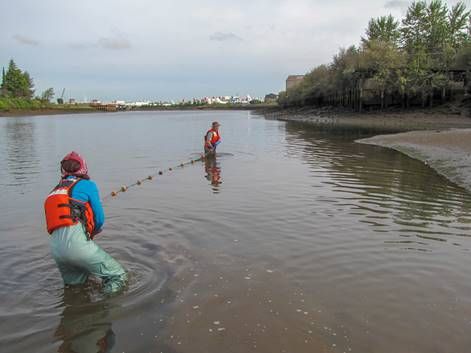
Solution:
(64, 211)
(214, 137)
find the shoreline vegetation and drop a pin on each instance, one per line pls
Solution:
(23, 107)
(13, 107)
(422, 60)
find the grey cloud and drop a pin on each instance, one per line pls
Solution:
(25, 40)
(397, 4)
(224, 36)
(117, 43)
(80, 46)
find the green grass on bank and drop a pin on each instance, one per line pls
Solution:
(18, 104)
(7, 104)
(13, 105)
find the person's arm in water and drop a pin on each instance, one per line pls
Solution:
(86, 190)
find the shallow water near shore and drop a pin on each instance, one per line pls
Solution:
(293, 240)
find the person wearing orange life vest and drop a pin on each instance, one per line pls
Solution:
(212, 139)
(74, 216)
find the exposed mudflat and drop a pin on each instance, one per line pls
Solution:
(393, 121)
(447, 151)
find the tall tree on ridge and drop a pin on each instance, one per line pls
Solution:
(384, 29)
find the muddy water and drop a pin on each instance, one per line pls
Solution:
(293, 240)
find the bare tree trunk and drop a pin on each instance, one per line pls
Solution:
(467, 78)
(360, 97)
(354, 99)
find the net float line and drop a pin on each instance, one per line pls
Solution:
(150, 177)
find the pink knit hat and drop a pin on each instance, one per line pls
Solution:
(81, 172)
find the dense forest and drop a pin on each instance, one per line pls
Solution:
(421, 60)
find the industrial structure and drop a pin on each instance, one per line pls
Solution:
(293, 80)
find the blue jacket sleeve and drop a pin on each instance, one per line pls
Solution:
(87, 191)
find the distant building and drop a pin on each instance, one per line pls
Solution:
(271, 98)
(293, 80)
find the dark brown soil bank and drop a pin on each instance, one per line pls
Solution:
(37, 112)
(388, 121)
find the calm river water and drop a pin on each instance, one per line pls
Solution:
(295, 240)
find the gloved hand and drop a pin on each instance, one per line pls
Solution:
(95, 233)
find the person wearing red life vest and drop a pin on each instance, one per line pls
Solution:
(212, 139)
(74, 216)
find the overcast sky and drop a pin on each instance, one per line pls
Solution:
(150, 49)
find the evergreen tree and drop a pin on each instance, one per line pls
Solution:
(17, 84)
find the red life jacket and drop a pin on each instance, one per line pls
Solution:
(64, 211)
(214, 137)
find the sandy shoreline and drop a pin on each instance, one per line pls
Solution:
(446, 151)
(440, 140)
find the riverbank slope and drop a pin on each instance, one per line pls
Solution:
(439, 118)
(446, 151)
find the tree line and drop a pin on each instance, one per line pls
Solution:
(19, 84)
(422, 59)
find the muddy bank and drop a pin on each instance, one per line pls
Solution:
(447, 151)
(385, 121)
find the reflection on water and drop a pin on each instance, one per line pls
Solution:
(21, 157)
(85, 326)
(213, 173)
(407, 198)
(378, 196)
(317, 244)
